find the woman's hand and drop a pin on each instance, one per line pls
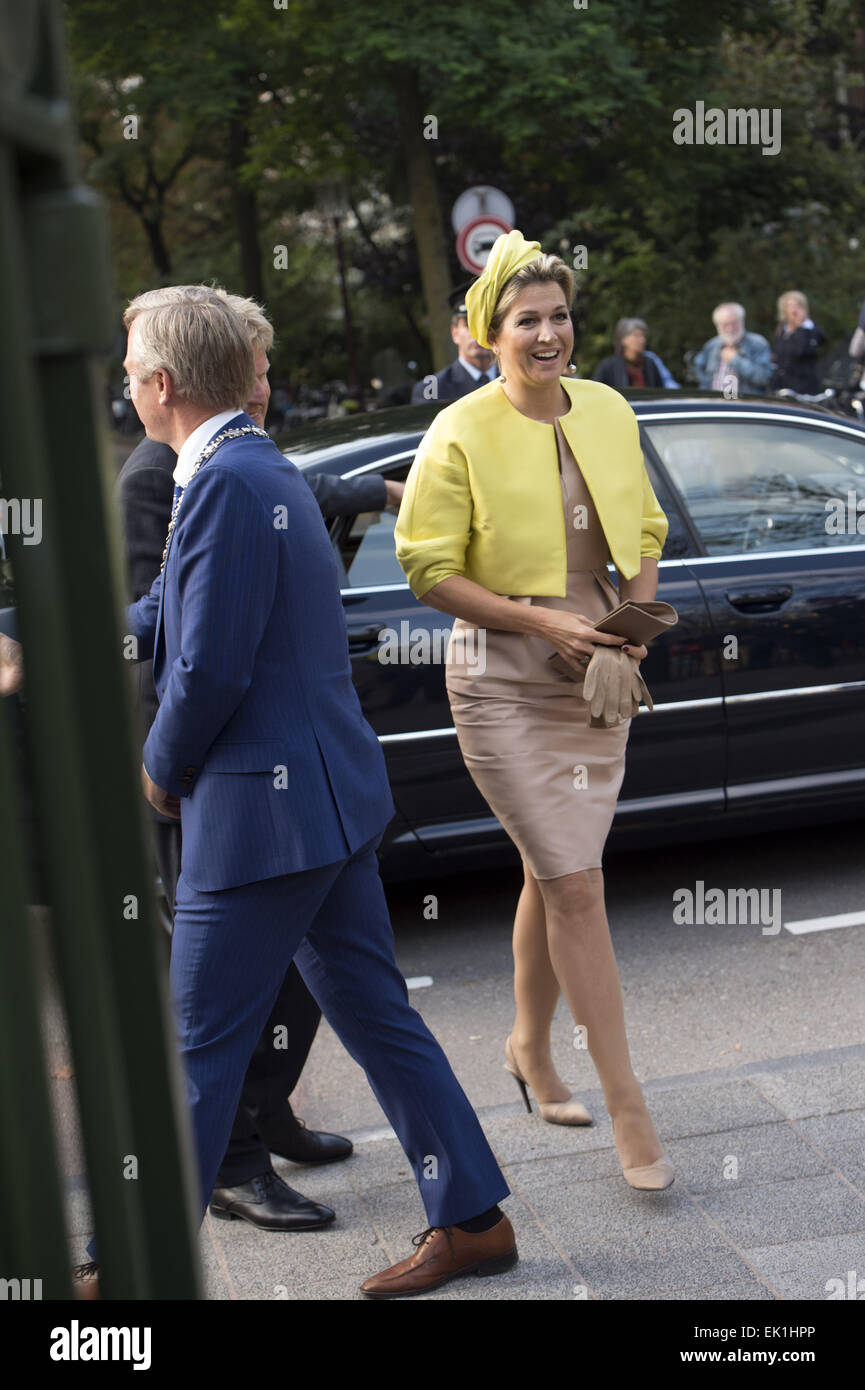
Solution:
(573, 635)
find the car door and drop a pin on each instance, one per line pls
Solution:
(397, 647)
(674, 773)
(770, 494)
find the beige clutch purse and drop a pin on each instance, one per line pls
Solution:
(639, 622)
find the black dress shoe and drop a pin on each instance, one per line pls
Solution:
(269, 1203)
(292, 1140)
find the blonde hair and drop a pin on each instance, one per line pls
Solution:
(196, 335)
(543, 270)
(258, 324)
(791, 294)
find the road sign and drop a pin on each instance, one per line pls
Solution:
(481, 201)
(475, 241)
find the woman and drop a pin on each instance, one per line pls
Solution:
(631, 366)
(795, 345)
(502, 527)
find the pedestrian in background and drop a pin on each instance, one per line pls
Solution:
(794, 348)
(856, 350)
(631, 365)
(734, 361)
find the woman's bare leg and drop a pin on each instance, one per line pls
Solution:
(536, 993)
(582, 957)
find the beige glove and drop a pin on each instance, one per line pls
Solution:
(613, 688)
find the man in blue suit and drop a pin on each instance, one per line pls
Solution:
(261, 748)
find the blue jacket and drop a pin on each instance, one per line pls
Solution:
(752, 364)
(259, 729)
(668, 381)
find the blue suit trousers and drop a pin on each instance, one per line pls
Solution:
(230, 952)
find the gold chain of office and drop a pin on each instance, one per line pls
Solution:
(202, 459)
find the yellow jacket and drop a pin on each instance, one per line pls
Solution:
(483, 498)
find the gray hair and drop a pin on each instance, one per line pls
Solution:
(196, 335)
(738, 308)
(626, 326)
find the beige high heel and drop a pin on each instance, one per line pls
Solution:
(555, 1112)
(651, 1177)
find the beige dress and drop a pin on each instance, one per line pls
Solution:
(550, 779)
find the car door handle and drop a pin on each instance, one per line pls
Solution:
(758, 600)
(364, 637)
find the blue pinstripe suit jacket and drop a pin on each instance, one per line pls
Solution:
(259, 729)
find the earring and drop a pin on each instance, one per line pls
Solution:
(501, 376)
(572, 368)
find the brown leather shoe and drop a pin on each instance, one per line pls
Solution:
(444, 1253)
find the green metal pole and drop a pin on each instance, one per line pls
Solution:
(58, 320)
(29, 1225)
(60, 765)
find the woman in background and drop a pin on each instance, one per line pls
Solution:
(795, 345)
(632, 365)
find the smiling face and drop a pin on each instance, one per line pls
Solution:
(535, 340)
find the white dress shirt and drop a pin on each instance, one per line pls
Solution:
(195, 442)
(475, 372)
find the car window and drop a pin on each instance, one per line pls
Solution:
(755, 485)
(679, 543)
(368, 550)
(366, 544)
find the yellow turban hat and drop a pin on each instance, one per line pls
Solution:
(510, 253)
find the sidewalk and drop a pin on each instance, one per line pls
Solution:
(768, 1202)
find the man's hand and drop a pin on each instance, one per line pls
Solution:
(11, 665)
(728, 353)
(394, 492)
(161, 801)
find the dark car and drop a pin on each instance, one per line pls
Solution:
(759, 691)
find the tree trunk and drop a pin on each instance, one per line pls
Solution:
(426, 216)
(156, 241)
(405, 308)
(353, 379)
(245, 204)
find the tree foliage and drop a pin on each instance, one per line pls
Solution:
(259, 121)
